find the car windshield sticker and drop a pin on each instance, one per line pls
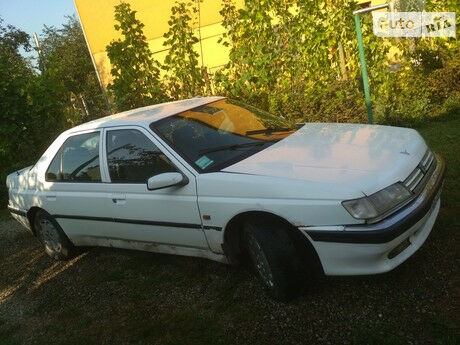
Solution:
(203, 162)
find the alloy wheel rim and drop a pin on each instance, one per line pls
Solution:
(260, 261)
(49, 236)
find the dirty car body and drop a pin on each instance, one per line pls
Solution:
(181, 177)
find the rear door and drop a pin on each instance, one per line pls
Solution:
(74, 191)
(164, 216)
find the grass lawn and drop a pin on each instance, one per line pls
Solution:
(108, 296)
(444, 137)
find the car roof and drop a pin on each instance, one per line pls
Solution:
(146, 115)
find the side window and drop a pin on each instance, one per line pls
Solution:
(134, 158)
(77, 160)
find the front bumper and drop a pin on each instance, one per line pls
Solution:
(380, 247)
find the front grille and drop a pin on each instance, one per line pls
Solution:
(422, 169)
(414, 179)
(426, 161)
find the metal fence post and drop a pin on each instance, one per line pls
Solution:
(362, 59)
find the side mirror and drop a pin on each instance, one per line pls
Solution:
(166, 180)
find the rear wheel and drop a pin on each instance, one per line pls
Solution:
(274, 258)
(49, 233)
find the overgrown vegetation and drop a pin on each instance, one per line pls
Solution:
(183, 75)
(136, 75)
(63, 60)
(286, 56)
(299, 59)
(428, 88)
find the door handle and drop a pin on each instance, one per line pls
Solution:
(51, 197)
(119, 199)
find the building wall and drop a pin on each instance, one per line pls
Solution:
(97, 19)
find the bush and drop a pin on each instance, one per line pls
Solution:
(418, 97)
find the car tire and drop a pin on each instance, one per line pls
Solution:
(52, 237)
(275, 258)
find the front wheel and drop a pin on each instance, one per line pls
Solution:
(49, 233)
(274, 258)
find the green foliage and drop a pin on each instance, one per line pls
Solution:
(418, 94)
(285, 55)
(65, 60)
(183, 75)
(251, 71)
(28, 101)
(36, 107)
(409, 5)
(299, 59)
(135, 73)
(426, 83)
(15, 76)
(32, 110)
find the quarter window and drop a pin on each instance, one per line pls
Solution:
(134, 158)
(77, 160)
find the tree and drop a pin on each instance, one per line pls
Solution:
(136, 75)
(184, 78)
(251, 34)
(65, 59)
(27, 108)
(15, 75)
(32, 111)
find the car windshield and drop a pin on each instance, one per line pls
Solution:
(219, 134)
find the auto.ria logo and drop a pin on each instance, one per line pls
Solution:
(412, 21)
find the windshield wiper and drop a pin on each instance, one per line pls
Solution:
(233, 147)
(269, 130)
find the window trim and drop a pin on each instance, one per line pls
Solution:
(59, 152)
(152, 139)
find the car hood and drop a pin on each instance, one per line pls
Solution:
(366, 158)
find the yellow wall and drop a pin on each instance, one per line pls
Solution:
(97, 19)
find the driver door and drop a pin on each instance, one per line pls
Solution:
(164, 216)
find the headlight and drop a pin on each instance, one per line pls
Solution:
(379, 203)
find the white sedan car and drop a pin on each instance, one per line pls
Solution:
(214, 178)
